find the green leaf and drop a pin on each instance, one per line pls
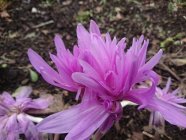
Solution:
(33, 76)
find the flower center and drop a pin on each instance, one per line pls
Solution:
(13, 110)
(113, 107)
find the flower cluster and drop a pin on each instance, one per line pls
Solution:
(103, 72)
(13, 114)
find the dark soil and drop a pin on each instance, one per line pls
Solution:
(33, 24)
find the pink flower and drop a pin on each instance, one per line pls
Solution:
(167, 106)
(104, 73)
(13, 114)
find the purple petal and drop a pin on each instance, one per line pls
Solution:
(156, 119)
(108, 39)
(12, 125)
(88, 69)
(171, 113)
(23, 92)
(27, 128)
(153, 61)
(3, 110)
(83, 79)
(44, 69)
(80, 121)
(141, 96)
(60, 47)
(64, 121)
(7, 98)
(39, 103)
(83, 36)
(94, 28)
(88, 124)
(167, 88)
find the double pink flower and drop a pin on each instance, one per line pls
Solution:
(103, 72)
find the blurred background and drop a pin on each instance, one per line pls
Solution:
(33, 23)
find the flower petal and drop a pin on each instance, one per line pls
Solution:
(45, 70)
(87, 115)
(40, 103)
(23, 92)
(12, 125)
(94, 28)
(167, 86)
(83, 79)
(60, 47)
(27, 128)
(88, 124)
(7, 98)
(171, 113)
(141, 96)
(83, 36)
(153, 61)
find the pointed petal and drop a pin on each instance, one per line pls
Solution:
(167, 85)
(44, 69)
(60, 47)
(153, 61)
(143, 53)
(94, 28)
(83, 36)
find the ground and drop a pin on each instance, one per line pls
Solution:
(32, 24)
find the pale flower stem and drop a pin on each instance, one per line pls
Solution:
(125, 103)
(56, 136)
(34, 119)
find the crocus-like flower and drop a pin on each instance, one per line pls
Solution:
(105, 75)
(13, 117)
(167, 106)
